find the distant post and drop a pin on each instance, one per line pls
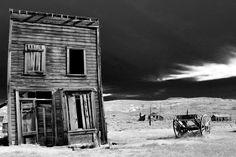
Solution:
(150, 118)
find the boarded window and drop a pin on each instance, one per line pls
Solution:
(81, 111)
(76, 62)
(34, 59)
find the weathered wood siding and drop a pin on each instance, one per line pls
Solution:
(56, 39)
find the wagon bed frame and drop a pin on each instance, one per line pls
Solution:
(191, 123)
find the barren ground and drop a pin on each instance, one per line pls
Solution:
(129, 137)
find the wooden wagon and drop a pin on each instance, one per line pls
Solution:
(191, 124)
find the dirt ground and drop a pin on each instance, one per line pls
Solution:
(129, 137)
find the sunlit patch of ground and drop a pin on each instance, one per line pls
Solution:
(129, 137)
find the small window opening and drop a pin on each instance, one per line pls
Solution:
(76, 62)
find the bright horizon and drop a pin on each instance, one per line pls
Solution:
(206, 71)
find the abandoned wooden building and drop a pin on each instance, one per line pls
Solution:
(221, 117)
(3, 119)
(54, 80)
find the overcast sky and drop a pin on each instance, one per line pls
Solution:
(149, 40)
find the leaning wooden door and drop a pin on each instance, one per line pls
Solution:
(45, 123)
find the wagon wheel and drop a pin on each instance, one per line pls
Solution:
(205, 124)
(177, 129)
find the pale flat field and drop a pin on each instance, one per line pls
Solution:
(129, 137)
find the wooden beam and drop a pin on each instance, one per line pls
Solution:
(54, 116)
(18, 119)
(73, 113)
(63, 110)
(82, 112)
(67, 116)
(90, 23)
(76, 22)
(40, 18)
(12, 11)
(36, 122)
(19, 15)
(64, 97)
(90, 110)
(67, 21)
(93, 109)
(86, 111)
(8, 84)
(44, 123)
(100, 91)
(26, 19)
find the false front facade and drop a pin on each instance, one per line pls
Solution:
(54, 80)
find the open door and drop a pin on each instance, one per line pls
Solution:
(35, 118)
(28, 122)
(45, 123)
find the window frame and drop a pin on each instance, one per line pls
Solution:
(89, 121)
(43, 61)
(68, 61)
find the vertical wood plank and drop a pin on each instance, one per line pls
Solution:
(66, 111)
(18, 117)
(8, 85)
(54, 115)
(44, 59)
(44, 123)
(67, 115)
(94, 109)
(63, 103)
(90, 111)
(73, 113)
(59, 117)
(100, 91)
(36, 121)
(82, 111)
(86, 111)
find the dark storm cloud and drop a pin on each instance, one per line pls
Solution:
(154, 36)
(144, 39)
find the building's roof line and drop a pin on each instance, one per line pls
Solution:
(51, 14)
(48, 18)
(221, 115)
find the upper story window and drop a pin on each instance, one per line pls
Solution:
(76, 62)
(34, 59)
